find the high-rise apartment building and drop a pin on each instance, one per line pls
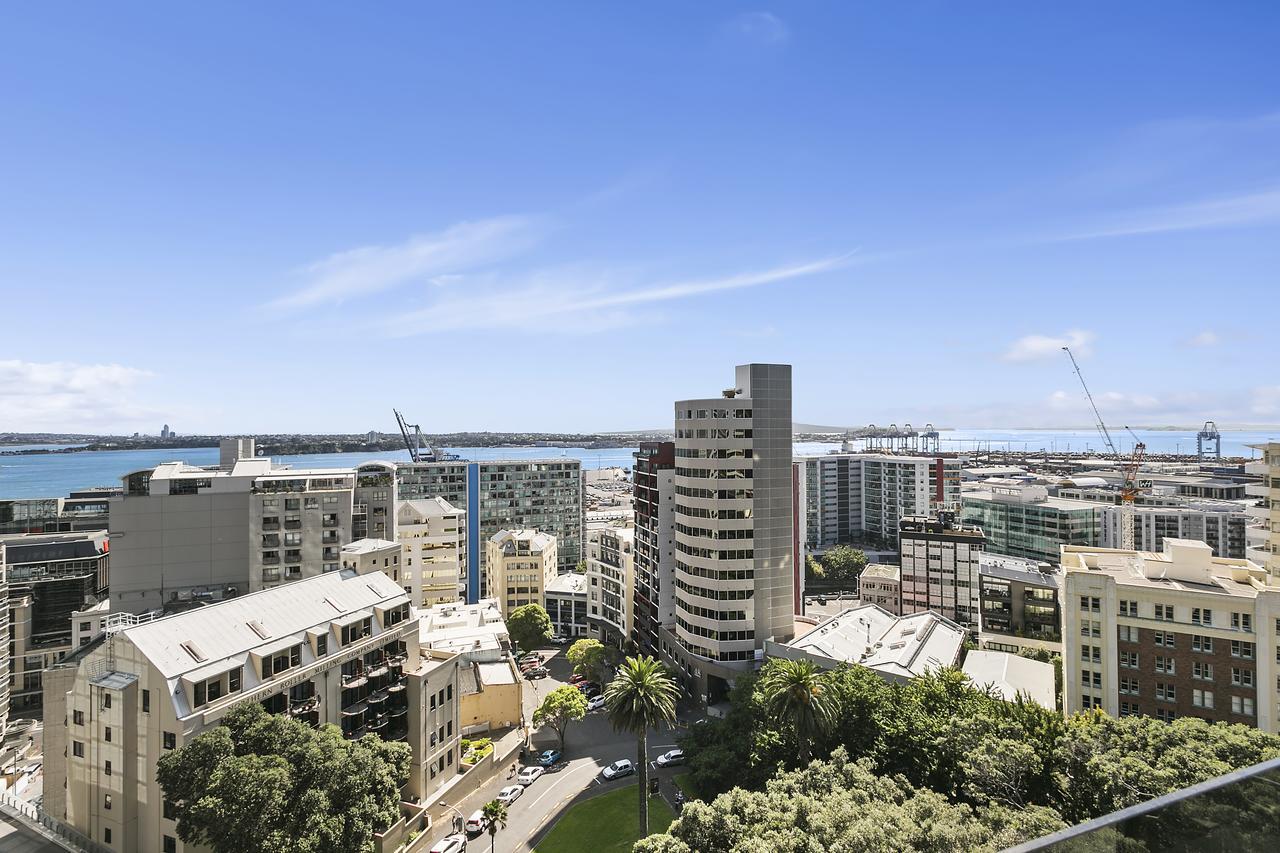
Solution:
(1220, 524)
(940, 567)
(1263, 537)
(5, 623)
(735, 566)
(857, 497)
(655, 560)
(1023, 520)
(83, 509)
(432, 533)
(611, 583)
(339, 648)
(1172, 634)
(521, 565)
(1021, 604)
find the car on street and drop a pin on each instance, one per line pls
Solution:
(529, 775)
(450, 844)
(477, 823)
(671, 758)
(510, 794)
(536, 672)
(557, 640)
(618, 769)
(577, 678)
(595, 703)
(528, 656)
(549, 757)
(593, 690)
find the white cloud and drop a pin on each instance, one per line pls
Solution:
(760, 27)
(1266, 401)
(1223, 212)
(429, 257)
(62, 396)
(1039, 347)
(583, 296)
(1206, 338)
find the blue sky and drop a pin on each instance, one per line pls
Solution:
(565, 216)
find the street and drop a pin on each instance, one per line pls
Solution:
(592, 744)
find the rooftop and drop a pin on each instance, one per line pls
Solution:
(367, 546)
(1011, 675)
(898, 646)
(1184, 564)
(882, 570)
(463, 628)
(426, 508)
(1017, 569)
(536, 540)
(570, 583)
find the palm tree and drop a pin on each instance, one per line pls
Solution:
(496, 813)
(642, 695)
(797, 695)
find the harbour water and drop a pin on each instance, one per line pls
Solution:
(54, 475)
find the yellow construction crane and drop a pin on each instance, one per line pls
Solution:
(1129, 488)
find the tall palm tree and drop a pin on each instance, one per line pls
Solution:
(496, 813)
(797, 695)
(641, 696)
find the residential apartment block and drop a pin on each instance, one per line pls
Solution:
(940, 559)
(736, 571)
(881, 584)
(1170, 634)
(6, 680)
(521, 565)
(566, 603)
(653, 500)
(610, 583)
(339, 648)
(432, 534)
(1021, 604)
(1221, 524)
(83, 509)
(1263, 536)
(1023, 520)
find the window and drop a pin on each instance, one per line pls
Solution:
(106, 835)
(1165, 715)
(1090, 628)
(170, 740)
(106, 734)
(1093, 603)
(1165, 665)
(1202, 698)
(77, 749)
(1202, 671)
(1129, 685)
(1165, 612)
(106, 802)
(1128, 710)
(1166, 692)
(170, 811)
(1242, 649)
(1128, 608)
(234, 679)
(77, 717)
(1242, 621)
(1129, 660)
(1242, 705)
(199, 695)
(1128, 634)
(170, 845)
(106, 768)
(1201, 644)
(1241, 677)
(106, 699)
(1164, 638)
(146, 701)
(1202, 616)
(322, 645)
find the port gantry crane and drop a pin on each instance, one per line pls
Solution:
(1129, 489)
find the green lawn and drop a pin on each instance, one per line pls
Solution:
(684, 782)
(605, 824)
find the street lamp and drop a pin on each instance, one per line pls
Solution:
(459, 821)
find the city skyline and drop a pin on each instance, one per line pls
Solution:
(224, 229)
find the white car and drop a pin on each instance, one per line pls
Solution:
(671, 758)
(450, 844)
(529, 775)
(618, 769)
(559, 641)
(595, 703)
(510, 794)
(477, 823)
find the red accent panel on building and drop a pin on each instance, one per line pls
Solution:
(938, 469)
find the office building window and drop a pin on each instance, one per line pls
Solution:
(77, 749)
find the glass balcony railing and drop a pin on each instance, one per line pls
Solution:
(1236, 812)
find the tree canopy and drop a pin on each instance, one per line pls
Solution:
(266, 782)
(561, 707)
(843, 563)
(529, 626)
(641, 696)
(588, 658)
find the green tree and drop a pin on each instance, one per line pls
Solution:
(588, 658)
(813, 567)
(561, 707)
(265, 782)
(529, 626)
(642, 695)
(797, 697)
(496, 814)
(843, 564)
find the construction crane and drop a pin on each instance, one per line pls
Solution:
(415, 443)
(1129, 488)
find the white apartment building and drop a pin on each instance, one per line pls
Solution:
(941, 562)
(521, 563)
(1170, 634)
(339, 648)
(736, 571)
(432, 534)
(1263, 536)
(4, 638)
(611, 583)
(856, 497)
(566, 603)
(1221, 524)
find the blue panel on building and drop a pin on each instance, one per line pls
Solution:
(473, 532)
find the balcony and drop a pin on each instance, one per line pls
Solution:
(355, 679)
(293, 524)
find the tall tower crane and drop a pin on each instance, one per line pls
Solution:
(1129, 489)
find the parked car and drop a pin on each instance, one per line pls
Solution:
(557, 640)
(671, 758)
(618, 769)
(536, 672)
(577, 679)
(528, 656)
(549, 757)
(450, 844)
(595, 703)
(477, 823)
(529, 775)
(530, 664)
(510, 794)
(593, 690)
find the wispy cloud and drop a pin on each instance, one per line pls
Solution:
(427, 257)
(67, 396)
(1223, 212)
(584, 296)
(1207, 338)
(759, 27)
(1040, 347)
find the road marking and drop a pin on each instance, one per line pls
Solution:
(553, 785)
